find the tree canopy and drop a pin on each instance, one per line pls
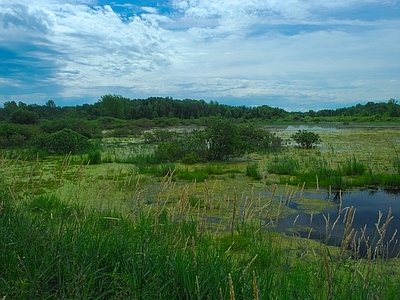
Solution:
(123, 108)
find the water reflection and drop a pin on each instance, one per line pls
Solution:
(371, 211)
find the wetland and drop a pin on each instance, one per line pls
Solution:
(126, 213)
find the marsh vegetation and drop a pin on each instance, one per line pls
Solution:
(196, 211)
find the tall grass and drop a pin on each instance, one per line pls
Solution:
(284, 165)
(353, 167)
(253, 172)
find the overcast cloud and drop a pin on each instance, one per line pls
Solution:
(293, 54)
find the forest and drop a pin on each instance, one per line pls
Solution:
(119, 107)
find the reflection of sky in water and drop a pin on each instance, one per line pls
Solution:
(314, 128)
(367, 204)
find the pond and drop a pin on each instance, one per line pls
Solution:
(369, 229)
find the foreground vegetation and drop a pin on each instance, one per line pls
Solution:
(54, 248)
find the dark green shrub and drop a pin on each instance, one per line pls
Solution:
(63, 142)
(223, 140)
(255, 139)
(191, 158)
(306, 139)
(89, 129)
(164, 169)
(157, 170)
(215, 169)
(169, 152)
(108, 123)
(17, 135)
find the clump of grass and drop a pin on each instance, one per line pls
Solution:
(198, 174)
(253, 172)
(44, 203)
(157, 170)
(94, 157)
(137, 159)
(284, 166)
(353, 167)
(396, 162)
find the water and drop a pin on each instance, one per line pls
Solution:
(313, 128)
(367, 205)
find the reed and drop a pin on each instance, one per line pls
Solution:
(328, 276)
(348, 232)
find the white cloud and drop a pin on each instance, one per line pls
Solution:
(223, 49)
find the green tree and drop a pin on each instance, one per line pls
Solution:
(306, 139)
(222, 139)
(9, 108)
(112, 106)
(394, 108)
(24, 116)
(256, 139)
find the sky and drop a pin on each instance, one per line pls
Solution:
(298, 55)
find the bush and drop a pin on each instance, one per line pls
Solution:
(23, 116)
(256, 139)
(168, 152)
(191, 158)
(89, 129)
(221, 140)
(63, 142)
(17, 135)
(306, 139)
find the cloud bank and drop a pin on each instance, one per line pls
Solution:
(294, 54)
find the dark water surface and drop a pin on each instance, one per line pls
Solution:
(367, 205)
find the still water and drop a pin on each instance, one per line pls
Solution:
(367, 205)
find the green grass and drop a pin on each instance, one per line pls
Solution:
(253, 172)
(352, 167)
(283, 165)
(61, 250)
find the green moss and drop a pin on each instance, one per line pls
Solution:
(314, 206)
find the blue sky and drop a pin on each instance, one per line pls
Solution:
(293, 54)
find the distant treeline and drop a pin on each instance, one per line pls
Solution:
(119, 107)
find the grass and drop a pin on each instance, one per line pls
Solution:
(253, 172)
